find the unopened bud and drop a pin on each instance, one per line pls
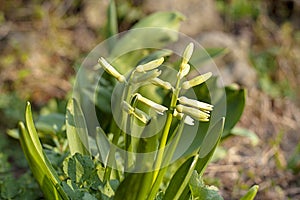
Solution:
(196, 104)
(193, 112)
(148, 76)
(187, 119)
(140, 115)
(157, 107)
(111, 70)
(196, 81)
(150, 65)
(164, 84)
(127, 107)
(184, 70)
(187, 54)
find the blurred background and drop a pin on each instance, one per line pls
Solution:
(42, 44)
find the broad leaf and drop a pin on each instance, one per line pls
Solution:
(39, 164)
(250, 195)
(245, 133)
(214, 134)
(51, 123)
(202, 55)
(200, 191)
(159, 29)
(235, 103)
(211, 139)
(76, 129)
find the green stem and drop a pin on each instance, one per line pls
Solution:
(128, 145)
(165, 133)
(169, 154)
(111, 156)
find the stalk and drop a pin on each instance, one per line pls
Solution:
(165, 134)
(169, 155)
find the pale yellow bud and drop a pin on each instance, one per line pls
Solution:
(157, 107)
(184, 70)
(111, 70)
(148, 76)
(187, 54)
(140, 115)
(187, 119)
(164, 84)
(196, 81)
(196, 104)
(127, 107)
(193, 112)
(150, 65)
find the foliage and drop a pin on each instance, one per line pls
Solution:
(239, 9)
(77, 173)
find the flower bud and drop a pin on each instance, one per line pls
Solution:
(111, 70)
(184, 70)
(157, 107)
(127, 107)
(196, 81)
(196, 104)
(150, 65)
(187, 119)
(187, 54)
(164, 84)
(140, 115)
(148, 76)
(193, 112)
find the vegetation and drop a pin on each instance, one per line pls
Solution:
(68, 158)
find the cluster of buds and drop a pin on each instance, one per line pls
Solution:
(182, 107)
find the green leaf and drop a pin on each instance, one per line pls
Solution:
(235, 103)
(79, 168)
(39, 164)
(83, 180)
(178, 177)
(32, 131)
(206, 157)
(201, 55)
(76, 129)
(9, 188)
(169, 20)
(211, 139)
(200, 191)
(213, 134)
(159, 29)
(156, 55)
(51, 123)
(129, 187)
(250, 195)
(112, 24)
(109, 188)
(294, 160)
(245, 133)
(209, 93)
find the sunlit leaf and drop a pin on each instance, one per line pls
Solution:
(200, 191)
(76, 132)
(235, 103)
(250, 195)
(39, 164)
